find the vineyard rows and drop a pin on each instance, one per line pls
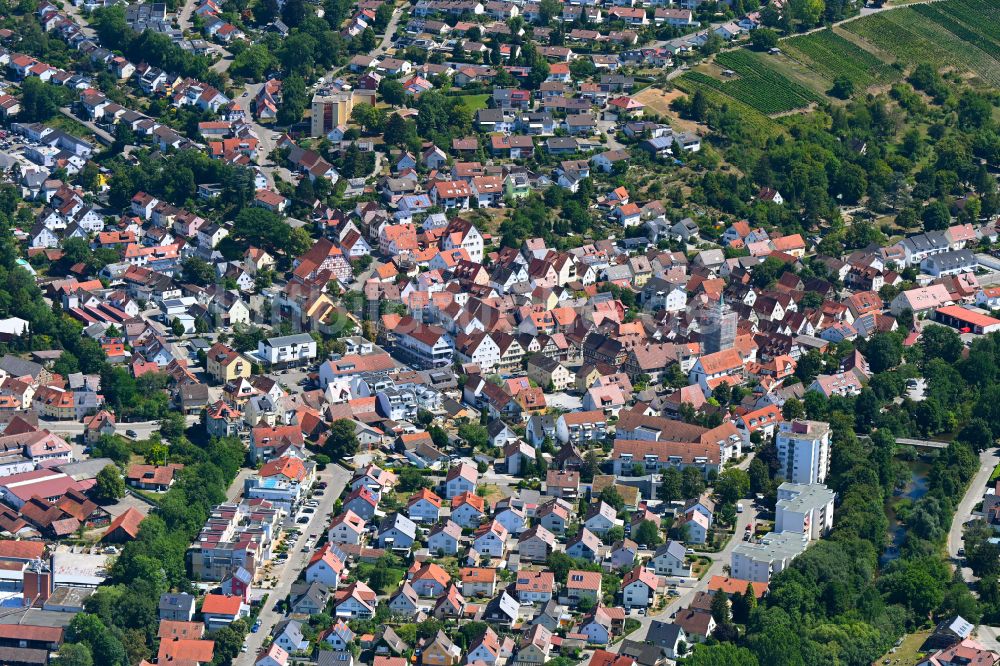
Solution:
(914, 36)
(830, 55)
(758, 85)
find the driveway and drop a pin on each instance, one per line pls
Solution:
(336, 478)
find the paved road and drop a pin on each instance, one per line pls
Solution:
(337, 478)
(73, 428)
(74, 13)
(235, 490)
(963, 513)
(185, 14)
(265, 136)
(390, 30)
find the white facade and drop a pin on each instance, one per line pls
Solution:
(637, 595)
(757, 562)
(804, 451)
(287, 349)
(806, 509)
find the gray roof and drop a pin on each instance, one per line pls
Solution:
(291, 628)
(663, 633)
(298, 339)
(177, 602)
(334, 658)
(931, 240)
(504, 604)
(952, 260)
(85, 469)
(316, 592)
(643, 653)
(19, 367)
(401, 523)
(673, 548)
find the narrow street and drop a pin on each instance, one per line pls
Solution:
(963, 513)
(98, 132)
(287, 573)
(143, 429)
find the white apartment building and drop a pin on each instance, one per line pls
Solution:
(804, 451)
(287, 349)
(804, 508)
(757, 562)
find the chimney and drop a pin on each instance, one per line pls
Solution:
(37, 583)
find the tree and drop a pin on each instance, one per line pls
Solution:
(39, 100)
(721, 654)
(109, 485)
(74, 654)
(476, 435)
(366, 115)
(609, 495)
(293, 100)
(671, 485)
(590, 467)
(197, 271)
(383, 15)
(368, 40)
(647, 533)
(851, 183)
(807, 12)
(763, 39)
(229, 641)
(885, 351)
(792, 409)
(936, 216)
(294, 12)
(732, 484)
(342, 441)
(843, 87)
(392, 92)
(582, 69)
(559, 563)
(720, 608)
(941, 342)
(759, 476)
(176, 327)
(549, 9)
(399, 131)
(172, 426)
(977, 434)
(692, 483)
(253, 62)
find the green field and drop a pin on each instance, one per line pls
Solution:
(830, 55)
(961, 33)
(759, 85)
(474, 102)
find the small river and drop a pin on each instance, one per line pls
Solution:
(914, 489)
